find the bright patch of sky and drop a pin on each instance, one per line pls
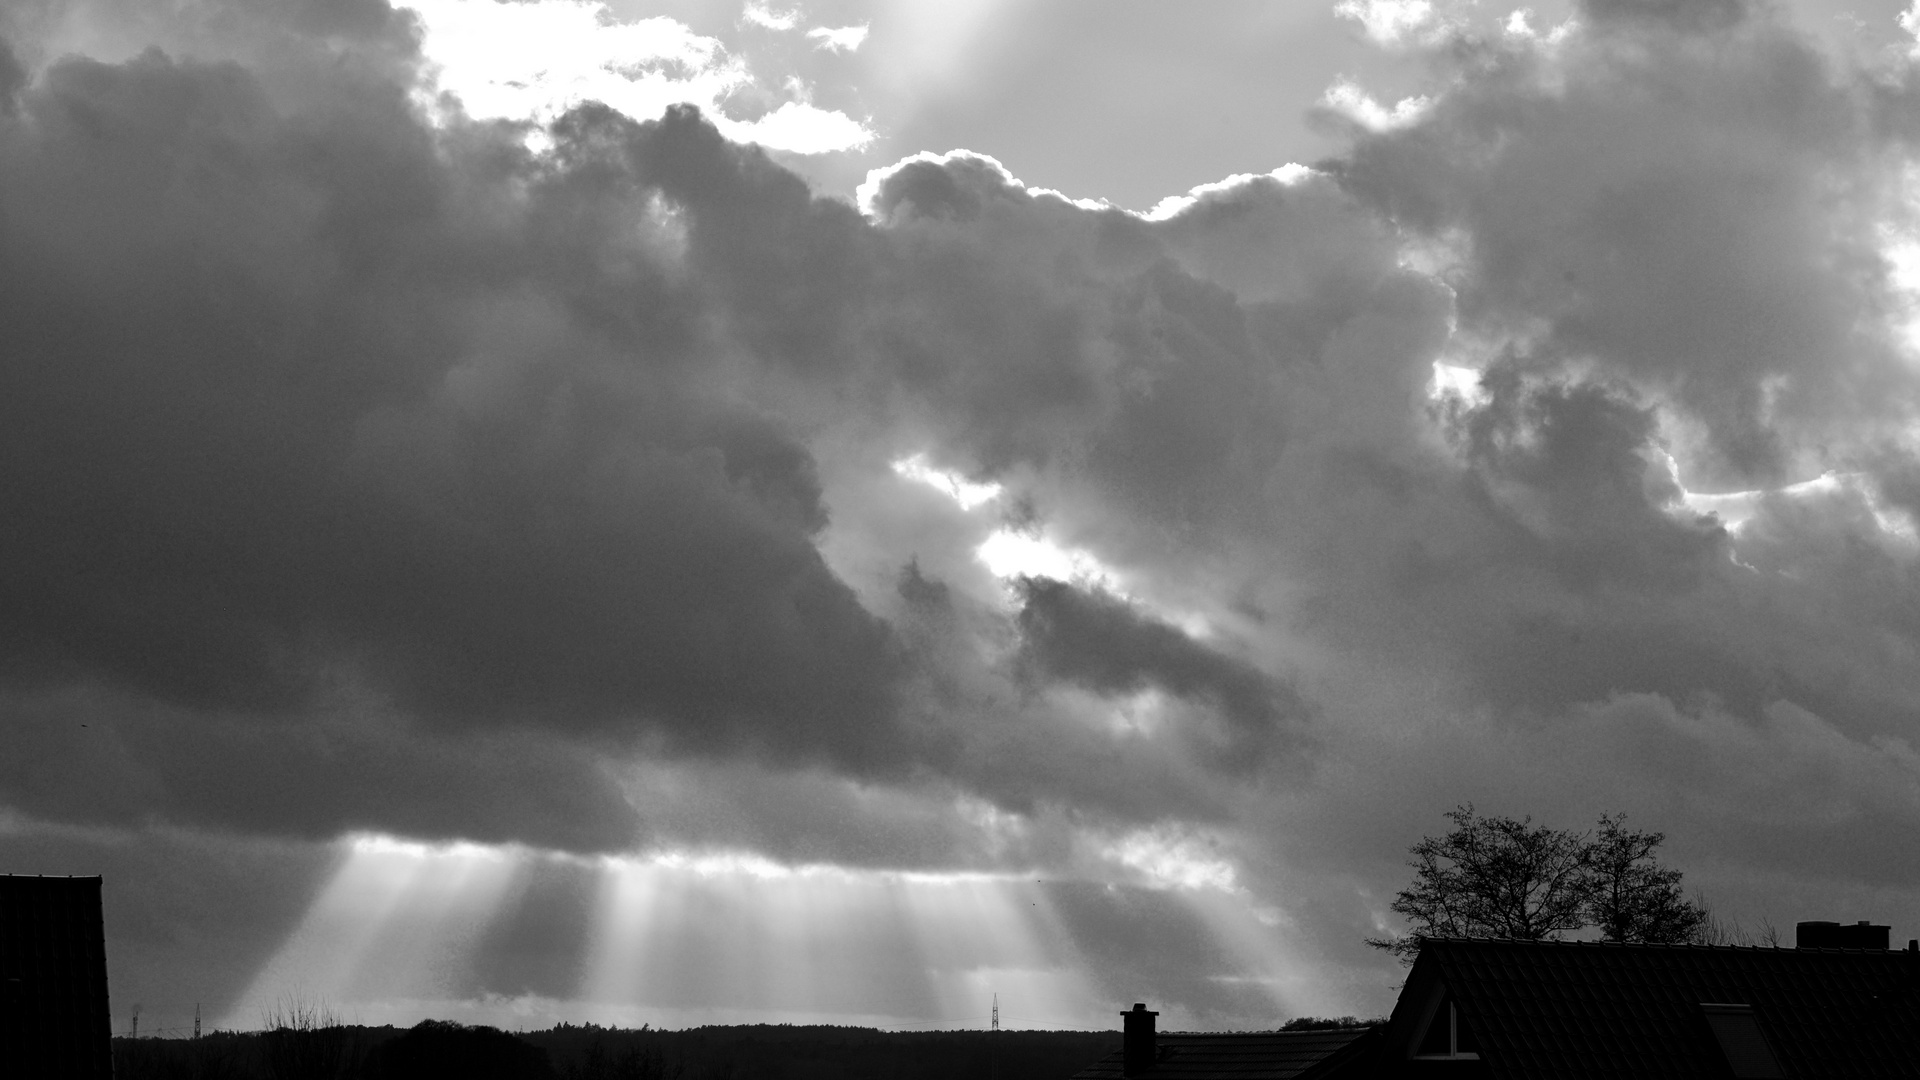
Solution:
(951, 484)
(1450, 380)
(1011, 553)
(1901, 249)
(533, 61)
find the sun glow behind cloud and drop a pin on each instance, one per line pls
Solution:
(1008, 552)
(953, 485)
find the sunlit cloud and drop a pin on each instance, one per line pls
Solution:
(1286, 175)
(1519, 25)
(1172, 860)
(866, 195)
(1460, 383)
(838, 39)
(803, 128)
(1901, 249)
(1344, 98)
(1736, 510)
(533, 61)
(769, 18)
(1011, 553)
(1391, 22)
(966, 493)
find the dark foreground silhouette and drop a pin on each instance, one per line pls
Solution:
(436, 1049)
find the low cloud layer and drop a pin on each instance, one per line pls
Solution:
(369, 470)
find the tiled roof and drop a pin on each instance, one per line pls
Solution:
(1588, 1009)
(1265, 1055)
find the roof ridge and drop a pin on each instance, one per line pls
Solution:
(1691, 945)
(1280, 1031)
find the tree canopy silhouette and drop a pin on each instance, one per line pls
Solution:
(1507, 877)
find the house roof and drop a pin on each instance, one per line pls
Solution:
(1264, 1055)
(1591, 1009)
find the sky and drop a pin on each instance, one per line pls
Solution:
(688, 513)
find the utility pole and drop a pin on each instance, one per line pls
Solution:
(196, 1019)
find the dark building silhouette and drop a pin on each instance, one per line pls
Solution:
(1513, 1009)
(1833, 935)
(1840, 1005)
(54, 1018)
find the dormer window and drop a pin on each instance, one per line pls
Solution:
(1447, 1036)
(1737, 1030)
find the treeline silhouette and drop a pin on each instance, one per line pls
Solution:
(436, 1049)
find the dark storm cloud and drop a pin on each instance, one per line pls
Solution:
(108, 759)
(303, 397)
(1099, 642)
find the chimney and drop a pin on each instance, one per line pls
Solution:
(1833, 935)
(1137, 1044)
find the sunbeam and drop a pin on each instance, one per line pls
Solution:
(398, 920)
(746, 939)
(674, 938)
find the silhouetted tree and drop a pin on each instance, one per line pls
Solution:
(1507, 877)
(1630, 897)
(1327, 1023)
(437, 1049)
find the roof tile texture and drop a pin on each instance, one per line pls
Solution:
(1266, 1055)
